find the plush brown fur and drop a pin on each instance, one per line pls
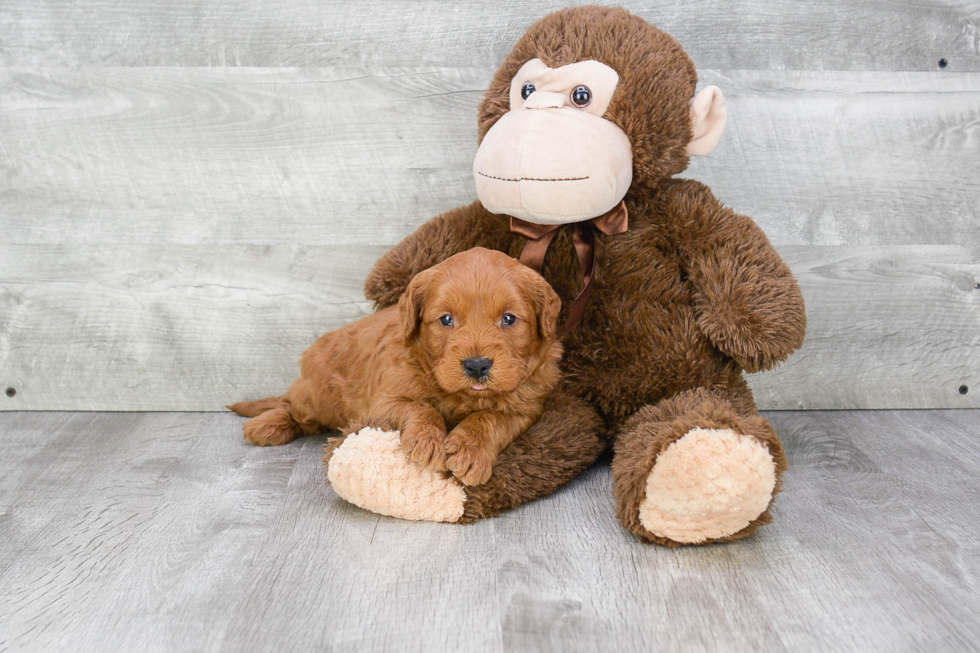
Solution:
(687, 300)
(649, 432)
(402, 368)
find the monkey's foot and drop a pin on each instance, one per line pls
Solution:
(370, 470)
(710, 484)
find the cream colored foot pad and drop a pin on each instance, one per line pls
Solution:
(370, 470)
(710, 483)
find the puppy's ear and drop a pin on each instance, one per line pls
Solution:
(547, 304)
(411, 303)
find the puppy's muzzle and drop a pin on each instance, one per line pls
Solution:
(477, 368)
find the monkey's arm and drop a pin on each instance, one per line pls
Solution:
(748, 302)
(449, 233)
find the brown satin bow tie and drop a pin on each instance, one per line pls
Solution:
(540, 236)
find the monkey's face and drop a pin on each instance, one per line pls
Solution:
(553, 158)
(591, 103)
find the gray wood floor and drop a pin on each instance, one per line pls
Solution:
(164, 531)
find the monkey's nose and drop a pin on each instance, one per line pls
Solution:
(544, 100)
(477, 368)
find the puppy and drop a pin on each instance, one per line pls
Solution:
(471, 348)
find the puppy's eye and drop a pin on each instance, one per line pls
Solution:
(509, 319)
(526, 90)
(446, 320)
(581, 96)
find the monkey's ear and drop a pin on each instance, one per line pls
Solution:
(411, 302)
(708, 116)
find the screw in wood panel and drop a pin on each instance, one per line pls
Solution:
(11, 392)
(964, 389)
(943, 63)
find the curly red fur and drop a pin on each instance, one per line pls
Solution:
(402, 367)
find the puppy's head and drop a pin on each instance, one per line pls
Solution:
(483, 321)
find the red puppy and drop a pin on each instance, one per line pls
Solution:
(470, 348)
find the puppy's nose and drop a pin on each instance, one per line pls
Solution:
(477, 367)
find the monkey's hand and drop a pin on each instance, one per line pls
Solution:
(752, 315)
(450, 233)
(747, 300)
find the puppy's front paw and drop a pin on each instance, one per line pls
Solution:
(468, 460)
(425, 445)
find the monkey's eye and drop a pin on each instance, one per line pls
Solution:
(526, 90)
(446, 320)
(509, 319)
(581, 96)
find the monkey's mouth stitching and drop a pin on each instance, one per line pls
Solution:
(531, 178)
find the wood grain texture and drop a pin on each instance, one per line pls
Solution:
(891, 327)
(168, 327)
(348, 155)
(167, 532)
(225, 155)
(756, 34)
(173, 238)
(850, 158)
(191, 328)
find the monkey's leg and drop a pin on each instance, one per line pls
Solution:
(693, 470)
(369, 469)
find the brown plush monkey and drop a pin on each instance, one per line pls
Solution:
(582, 130)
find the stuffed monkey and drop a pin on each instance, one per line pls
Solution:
(668, 296)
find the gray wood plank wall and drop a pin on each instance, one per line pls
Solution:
(191, 192)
